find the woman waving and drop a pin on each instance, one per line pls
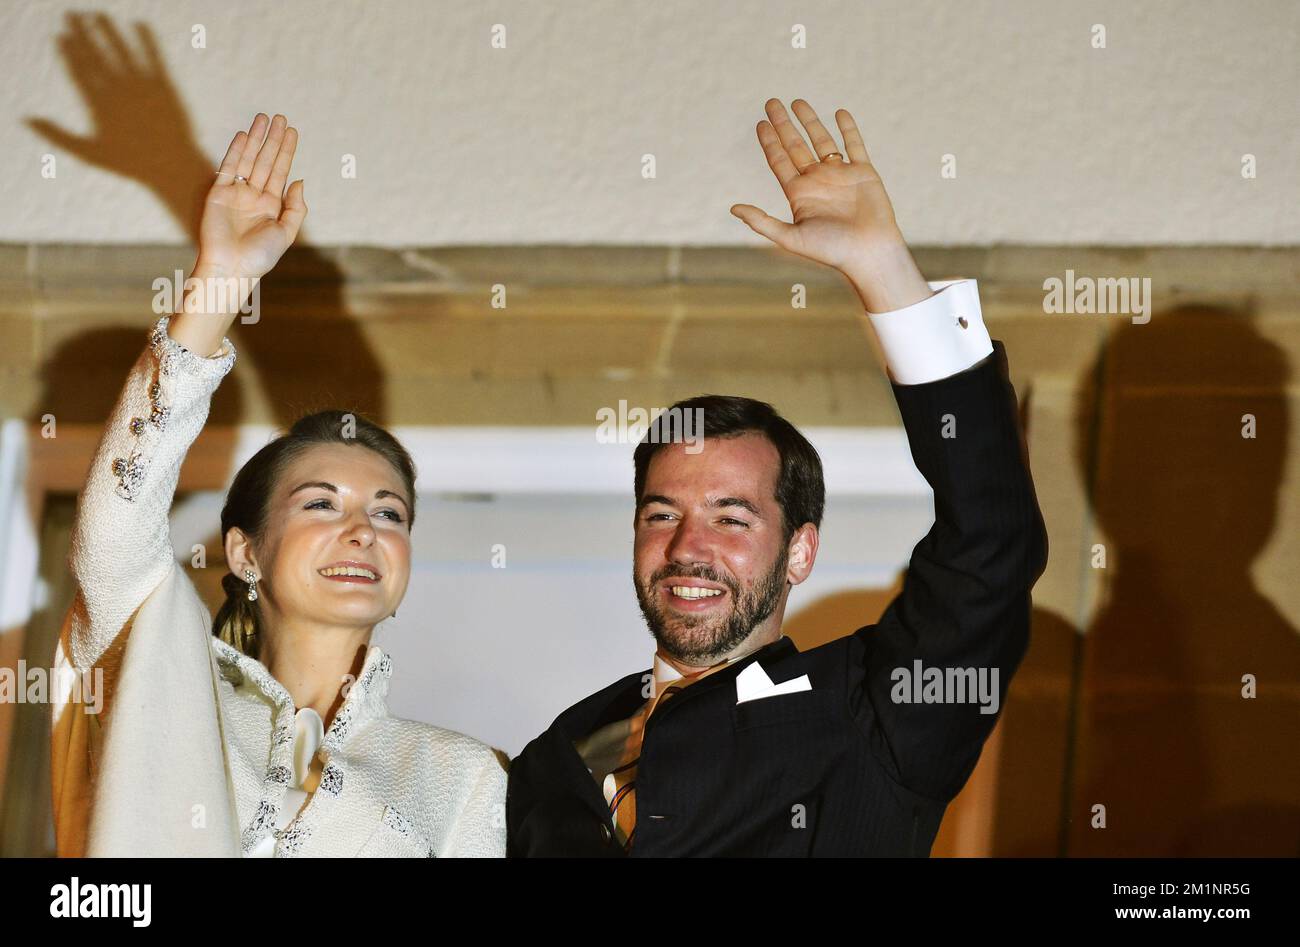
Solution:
(266, 731)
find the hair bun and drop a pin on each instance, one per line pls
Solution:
(231, 583)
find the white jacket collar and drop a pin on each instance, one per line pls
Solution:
(365, 699)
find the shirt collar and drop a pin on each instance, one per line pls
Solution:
(664, 673)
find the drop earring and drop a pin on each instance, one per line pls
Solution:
(251, 578)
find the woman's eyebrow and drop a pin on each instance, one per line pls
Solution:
(313, 484)
(322, 485)
(379, 494)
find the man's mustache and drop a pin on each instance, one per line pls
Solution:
(699, 572)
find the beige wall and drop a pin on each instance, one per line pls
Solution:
(541, 142)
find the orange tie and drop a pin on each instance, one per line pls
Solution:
(622, 805)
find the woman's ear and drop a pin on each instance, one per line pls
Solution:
(239, 552)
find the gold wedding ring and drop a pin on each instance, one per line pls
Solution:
(833, 154)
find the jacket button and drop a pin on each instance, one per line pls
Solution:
(605, 834)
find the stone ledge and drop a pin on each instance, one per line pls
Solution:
(469, 268)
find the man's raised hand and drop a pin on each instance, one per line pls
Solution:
(841, 214)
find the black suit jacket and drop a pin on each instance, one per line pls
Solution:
(841, 769)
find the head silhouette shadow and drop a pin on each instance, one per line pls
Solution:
(1153, 725)
(1144, 713)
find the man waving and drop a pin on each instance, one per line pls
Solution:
(734, 742)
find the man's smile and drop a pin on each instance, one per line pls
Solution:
(692, 595)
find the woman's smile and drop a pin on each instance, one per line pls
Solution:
(350, 571)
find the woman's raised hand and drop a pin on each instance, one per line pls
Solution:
(245, 229)
(249, 220)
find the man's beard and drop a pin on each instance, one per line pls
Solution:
(700, 640)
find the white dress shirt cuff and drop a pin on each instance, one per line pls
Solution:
(935, 338)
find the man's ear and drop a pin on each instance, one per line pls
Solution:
(239, 552)
(802, 553)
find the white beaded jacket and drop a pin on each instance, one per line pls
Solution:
(194, 754)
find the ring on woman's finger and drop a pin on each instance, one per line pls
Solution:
(237, 177)
(833, 154)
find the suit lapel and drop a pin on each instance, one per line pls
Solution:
(621, 699)
(774, 654)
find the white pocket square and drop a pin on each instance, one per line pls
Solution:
(754, 684)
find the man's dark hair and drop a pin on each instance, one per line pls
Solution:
(800, 489)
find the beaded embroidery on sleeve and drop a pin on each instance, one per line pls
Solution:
(173, 361)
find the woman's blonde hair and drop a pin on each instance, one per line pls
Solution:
(239, 621)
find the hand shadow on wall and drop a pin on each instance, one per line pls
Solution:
(305, 353)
